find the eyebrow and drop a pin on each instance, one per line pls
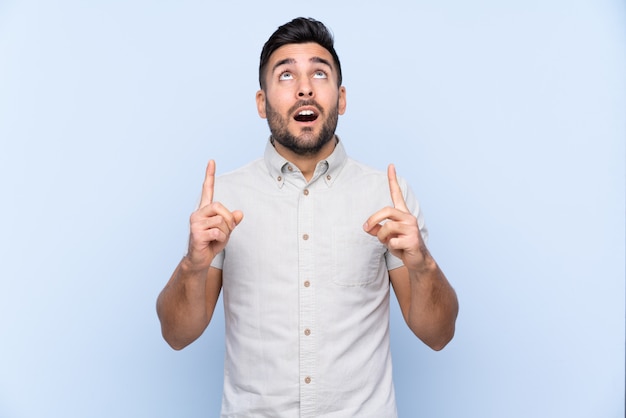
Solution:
(293, 61)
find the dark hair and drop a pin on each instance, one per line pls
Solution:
(299, 31)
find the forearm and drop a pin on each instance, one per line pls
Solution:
(182, 305)
(434, 305)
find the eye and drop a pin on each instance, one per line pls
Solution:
(319, 74)
(285, 76)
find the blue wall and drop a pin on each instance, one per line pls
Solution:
(509, 121)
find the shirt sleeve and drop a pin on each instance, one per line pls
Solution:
(218, 261)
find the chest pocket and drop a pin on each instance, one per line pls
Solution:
(358, 259)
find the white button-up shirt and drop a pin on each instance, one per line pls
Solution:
(306, 290)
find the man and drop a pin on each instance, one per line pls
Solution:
(306, 274)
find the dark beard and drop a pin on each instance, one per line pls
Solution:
(305, 144)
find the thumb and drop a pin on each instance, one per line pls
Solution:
(238, 215)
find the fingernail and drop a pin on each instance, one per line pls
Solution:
(365, 226)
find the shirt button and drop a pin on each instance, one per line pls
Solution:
(305, 237)
(306, 192)
(328, 177)
(279, 178)
(307, 283)
(307, 332)
(307, 380)
(290, 168)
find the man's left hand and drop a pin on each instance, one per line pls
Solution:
(397, 228)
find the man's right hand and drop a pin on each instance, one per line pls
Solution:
(210, 225)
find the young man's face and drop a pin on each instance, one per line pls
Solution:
(301, 99)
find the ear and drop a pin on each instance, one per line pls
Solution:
(260, 103)
(341, 105)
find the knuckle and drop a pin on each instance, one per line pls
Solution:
(193, 219)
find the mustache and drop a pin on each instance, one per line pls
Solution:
(303, 103)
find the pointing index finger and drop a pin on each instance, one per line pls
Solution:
(394, 189)
(208, 185)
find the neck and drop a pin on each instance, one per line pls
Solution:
(306, 163)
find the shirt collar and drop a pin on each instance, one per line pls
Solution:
(328, 169)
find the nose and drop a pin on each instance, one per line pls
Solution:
(305, 89)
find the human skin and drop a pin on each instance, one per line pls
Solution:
(297, 73)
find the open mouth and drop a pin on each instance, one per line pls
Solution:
(306, 115)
